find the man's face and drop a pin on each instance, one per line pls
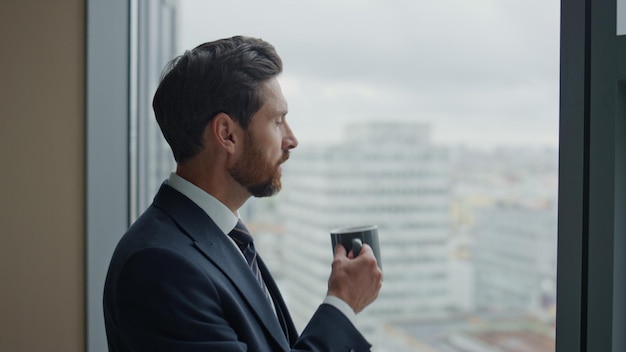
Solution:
(267, 142)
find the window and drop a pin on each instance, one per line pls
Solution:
(437, 121)
(584, 321)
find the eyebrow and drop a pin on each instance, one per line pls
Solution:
(281, 112)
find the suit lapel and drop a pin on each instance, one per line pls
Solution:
(216, 247)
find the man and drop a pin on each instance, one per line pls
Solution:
(182, 278)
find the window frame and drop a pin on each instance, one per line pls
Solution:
(107, 154)
(591, 196)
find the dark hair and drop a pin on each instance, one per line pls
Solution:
(220, 76)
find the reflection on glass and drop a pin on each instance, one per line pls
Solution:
(436, 121)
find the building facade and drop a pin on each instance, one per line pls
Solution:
(385, 174)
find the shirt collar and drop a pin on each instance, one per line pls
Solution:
(216, 210)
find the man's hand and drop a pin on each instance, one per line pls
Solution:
(356, 281)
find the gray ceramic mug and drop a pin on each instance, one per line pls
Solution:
(353, 237)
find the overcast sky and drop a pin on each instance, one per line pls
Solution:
(480, 72)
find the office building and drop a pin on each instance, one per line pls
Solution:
(387, 174)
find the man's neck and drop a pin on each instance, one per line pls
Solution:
(224, 189)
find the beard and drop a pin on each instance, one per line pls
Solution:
(260, 177)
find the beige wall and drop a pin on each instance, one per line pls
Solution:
(42, 121)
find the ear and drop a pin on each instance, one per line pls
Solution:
(224, 131)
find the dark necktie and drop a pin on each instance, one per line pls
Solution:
(241, 236)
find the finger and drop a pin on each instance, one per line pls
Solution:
(340, 250)
(368, 252)
(366, 249)
(351, 254)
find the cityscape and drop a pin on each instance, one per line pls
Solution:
(468, 237)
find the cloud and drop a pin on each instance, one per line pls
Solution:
(472, 68)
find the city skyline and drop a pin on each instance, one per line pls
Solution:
(468, 240)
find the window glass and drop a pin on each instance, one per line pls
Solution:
(438, 122)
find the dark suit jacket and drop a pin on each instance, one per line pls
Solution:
(176, 283)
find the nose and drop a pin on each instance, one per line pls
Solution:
(289, 141)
